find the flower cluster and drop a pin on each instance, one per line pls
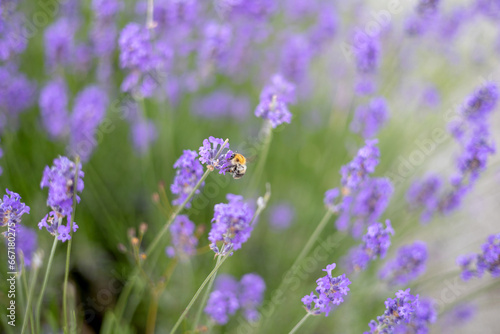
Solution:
(274, 100)
(88, 112)
(53, 104)
(410, 263)
(184, 241)
(368, 119)
(488, 261)
(424, 18)
(330, 291)
(231, 225)
(229, 296)
(189, 172)
(214, 154)
(473, 134)
(405, 314)
(375, 244)
(12, 209)
(358, 170)
(60, 179)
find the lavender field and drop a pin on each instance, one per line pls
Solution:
(247, 167)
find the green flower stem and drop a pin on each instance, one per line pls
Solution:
(313, 238)
(205, 298)
(267, 132)
(30, 299)
(122, 300)
(68, 252)
(44, 285)
(200, 289)
(300, 323)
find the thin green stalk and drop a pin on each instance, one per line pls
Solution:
(128, 287)
(46, 278)
(313, 238)
(68, 252)
(205, 298)
(297, 326)
(30, 299)
(200, 289)
(25, 288)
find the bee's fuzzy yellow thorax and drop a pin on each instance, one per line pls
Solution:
(239, 158)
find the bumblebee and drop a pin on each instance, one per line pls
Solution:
(238, 165)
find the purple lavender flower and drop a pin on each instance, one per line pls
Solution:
(189, 172)
(26, 242)
(11, 209)
(358, 170)
(54, 107)
(410, 263)
(330, 291)
(12, 31)
(487, 261)
(367, 53)
(274, 99)
(252, 288)
(295, 58)
(88, 112)
(369, 203)
(60, 180)
(220, 104)
(17, 93)
(370, 118)
(457, 317)
(214, 48)
(209, 150)
(223, 301)
(329, 200)
(404, 314)
(325, 28)
(375, 244)
(59, 43)
(143, 134)
(481, 102)
(231, 225)
(425, 194)
(431, 97)
(183, 240)
(281, 216)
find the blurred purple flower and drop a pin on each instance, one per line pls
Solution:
(17, 93)
(281, 216)
(53, 104)
(367, 53)
(143, 134)
(223, 301)
(59, 43)
(424, 194)
(189, 172)
(183, 240)
(295, 58)
(274, 99)
(375, 244)
(370, 118)
(251, 295)
(480, 103)
(230, 225)
(330, 291)
(26, 242)
(487, 261)
(410, 263)
(221, 104)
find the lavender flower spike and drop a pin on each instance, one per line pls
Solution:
(215, 154)
(183, 240)
(223, 301)
(11, 209)
(410, 262)
(274, 99)
(252, 288)
(488, 261)
(330, 291)
(60, 179)
(189, 172)
(230, 225)
(404, 314)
